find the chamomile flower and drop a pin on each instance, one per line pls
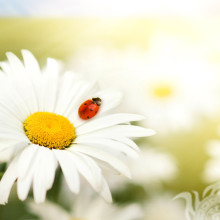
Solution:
(96, 209)
(205, 208)
(170, 83)
(41, 127)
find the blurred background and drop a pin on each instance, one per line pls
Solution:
(164, 55)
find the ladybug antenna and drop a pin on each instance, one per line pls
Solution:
(97, 101)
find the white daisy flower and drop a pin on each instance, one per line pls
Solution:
(96, 209)
(170, 83)
(206, 208)
(162, 207)
(40, 124)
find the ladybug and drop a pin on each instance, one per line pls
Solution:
(89, 108)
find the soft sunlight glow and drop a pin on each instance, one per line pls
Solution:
(110, 8)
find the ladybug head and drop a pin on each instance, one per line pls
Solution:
(97, 101)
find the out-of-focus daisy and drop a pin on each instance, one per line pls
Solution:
(158, 167)
(87, 209)
(40, 124)
(163, 208)
(206, 208)
(170, 82)
(212, 168)
(152, 168)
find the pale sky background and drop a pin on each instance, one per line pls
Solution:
(109, 8)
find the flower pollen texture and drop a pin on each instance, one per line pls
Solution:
(49, 130)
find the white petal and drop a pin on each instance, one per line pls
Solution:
(69, 86)
(38, 164)
(24, 183)
(8, 121)
(108, 145)
(11, 144)
(44, 173)
(25, 160)
(15, 64)
(51, 164)
(120, 130)
(127, 141)
(50, 85)
(33, 72)
(6, 68)
(65, 101)
(115, 137)
(21, 82)
(105, 191)
(7, 181)
(6, 155)
(88, 169)
(16, 133)
(107, 121)
(11, 102)
(13, 136)
(102, 155)
(69, 170)
(31, 64)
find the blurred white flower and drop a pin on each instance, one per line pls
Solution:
(40, 124)
(152, 166)
(86, 208)
(212, 167)
(163, 208)
(170, 83)
(151, 169)
(206, 208)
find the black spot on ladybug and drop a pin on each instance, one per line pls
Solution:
(87, 116)
(85, 103)
(91, 109)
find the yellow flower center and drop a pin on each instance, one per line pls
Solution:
(162, 91)
(49, 130)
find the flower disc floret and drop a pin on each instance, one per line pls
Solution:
(49, 130)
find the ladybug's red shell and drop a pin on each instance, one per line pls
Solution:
(89, 108)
